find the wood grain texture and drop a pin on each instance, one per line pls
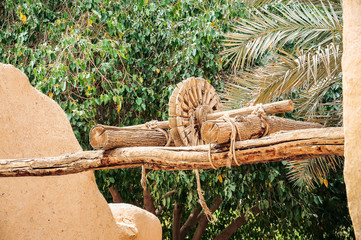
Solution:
(189, 105)
(281, 146)
(249, 127)
(269, 108)
(108, 137)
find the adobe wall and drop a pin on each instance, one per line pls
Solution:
(52, 207)
(351, 67)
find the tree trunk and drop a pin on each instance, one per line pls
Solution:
(177, 216)
(107, 137)
(190, 222)
(233, 227)
(249, 127)
(203, 221)
(115, 194)
(148, 201)
(293, 145)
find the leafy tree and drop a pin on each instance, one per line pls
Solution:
(116, 63)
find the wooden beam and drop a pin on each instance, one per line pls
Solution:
(281, 146)
(251, 126)
(269, 108)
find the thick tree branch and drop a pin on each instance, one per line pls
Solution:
(168, 194)
(284, 146)
(237, 223)
(190, 222)
(203, 221)
(148, 201)
(177, 216)
(115, 194)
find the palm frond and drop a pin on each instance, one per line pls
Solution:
(336, 4)
(303, 25)
(313, 108)
(309, 172)
(237, 95)
(311, 75)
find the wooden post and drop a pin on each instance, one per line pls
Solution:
(249, 127)
(107, 137)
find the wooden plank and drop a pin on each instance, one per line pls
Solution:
(281, 146)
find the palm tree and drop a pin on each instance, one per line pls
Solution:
(289, 51)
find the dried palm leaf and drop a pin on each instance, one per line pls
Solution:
(307, 172)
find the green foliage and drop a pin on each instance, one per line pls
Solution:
(298, 48)
(112, 62)
(117, 62)
(294, 51)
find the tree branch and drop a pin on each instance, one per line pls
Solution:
(284, 146)
(115, 194)
(203, 221)
(177, 216)
(237, 223)
(148, 201)
(190, 222)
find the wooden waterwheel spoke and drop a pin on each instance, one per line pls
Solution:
(199, 92)
(189, 105)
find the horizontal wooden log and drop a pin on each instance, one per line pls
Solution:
(270, 108)
(281, 146)
(249, 127)
(108, 137)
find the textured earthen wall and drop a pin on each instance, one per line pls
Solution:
(52, 207)
(351, 67)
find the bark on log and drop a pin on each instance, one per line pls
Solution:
(249, 127)
(270, 108)
(108, 137)
(281, 146)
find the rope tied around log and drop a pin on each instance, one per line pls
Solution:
(193, 142)
(154, 125)
(232, 147)
(143, 180)
(210, 157)
(261, 113)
